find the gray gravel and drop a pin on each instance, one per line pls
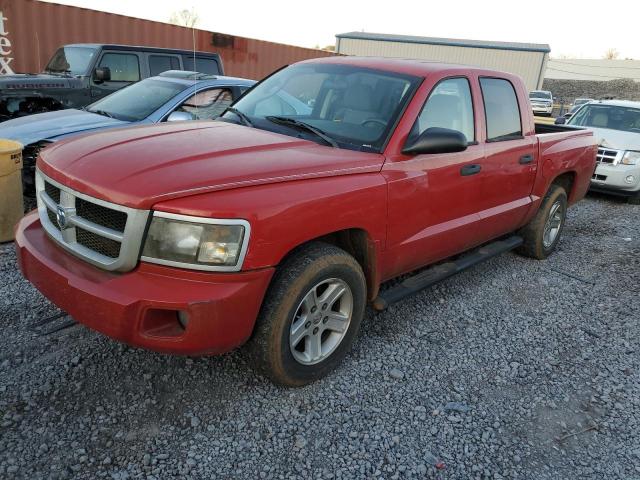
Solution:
(515, 369)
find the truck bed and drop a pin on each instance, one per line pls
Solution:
(543, 128)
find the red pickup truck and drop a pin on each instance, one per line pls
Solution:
(276, 225)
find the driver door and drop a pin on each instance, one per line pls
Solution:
(434, 199)
(124, 68)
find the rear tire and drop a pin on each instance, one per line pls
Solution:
(310, 316)
(542, 234)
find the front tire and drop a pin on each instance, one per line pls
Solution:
(310, 316)
(542, 235)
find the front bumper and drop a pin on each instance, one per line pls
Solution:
(613, 178)
(542, 109)
(141, 307)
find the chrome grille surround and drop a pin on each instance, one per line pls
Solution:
(609, 156)
(130, 238)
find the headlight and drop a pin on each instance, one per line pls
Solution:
(631, 158)
(196, 242)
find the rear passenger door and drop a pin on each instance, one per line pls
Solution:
(510, 159)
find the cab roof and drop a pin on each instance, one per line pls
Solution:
(407, 66)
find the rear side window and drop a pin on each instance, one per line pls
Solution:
(449, 106)
(501, 110)
(202, 65)
(162, 63)
(124, 67)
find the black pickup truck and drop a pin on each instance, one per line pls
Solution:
(80, 74)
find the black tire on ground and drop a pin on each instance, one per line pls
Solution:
(533, 233)
(634, 200)
(269, 347)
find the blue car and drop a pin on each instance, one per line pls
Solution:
(171, 96)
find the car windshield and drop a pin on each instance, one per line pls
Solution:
(541, 95)
(136, 102)
(73, 60)
(613, 117)
(344, 106)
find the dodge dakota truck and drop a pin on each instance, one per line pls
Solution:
(79, 74)
(275, 225)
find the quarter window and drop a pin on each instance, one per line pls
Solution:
(124, 67)
(449, 106)
(501, 110)
(202, 65)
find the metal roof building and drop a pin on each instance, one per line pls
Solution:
(525, 59)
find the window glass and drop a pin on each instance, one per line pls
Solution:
(207, 104)
(613, 117)
(162, 63)
(355, 107)
(449, 106)
(124, 67)
(73, 60)
(501, 109)
(202, 65)
(138, 101)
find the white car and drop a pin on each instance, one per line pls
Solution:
(541, 102)
(616, 126)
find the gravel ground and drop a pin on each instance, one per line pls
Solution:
(514, 369)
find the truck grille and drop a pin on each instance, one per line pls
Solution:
(29, 156)
(102, 233)
(608, 155)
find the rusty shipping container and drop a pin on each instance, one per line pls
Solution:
(31, 31)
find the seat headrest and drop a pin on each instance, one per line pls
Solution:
(600, 120)
(358, 97)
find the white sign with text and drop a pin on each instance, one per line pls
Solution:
(5, 48)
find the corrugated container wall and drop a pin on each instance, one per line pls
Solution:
(529, 65)
(31, 31)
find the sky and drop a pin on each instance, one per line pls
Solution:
(573, 29)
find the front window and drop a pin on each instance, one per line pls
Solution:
(124, 66)
(72, 60)
(351, 107)
(540, 96)
(136, 102)
(207, 104)
(613, 117)
(449, 106)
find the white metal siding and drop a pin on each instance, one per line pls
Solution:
(526, 64)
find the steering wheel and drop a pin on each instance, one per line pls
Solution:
(374, 120)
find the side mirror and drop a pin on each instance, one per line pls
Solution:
(180, 117)
(102, 74)
(436, 140)
(560, 121)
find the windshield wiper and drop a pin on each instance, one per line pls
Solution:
(292, 122)
(245, 120)
(103, 113)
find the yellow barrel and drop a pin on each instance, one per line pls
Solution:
(11, 202)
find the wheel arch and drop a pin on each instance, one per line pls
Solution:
(358, 243)
(567, 181)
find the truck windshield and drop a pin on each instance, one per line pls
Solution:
(542, 95)
(136, 102)
(338, 105)
(72, 60)
(607, 116)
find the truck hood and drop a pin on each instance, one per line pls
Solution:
(29, 81)
(49, 125)
(140, 166)
(617, 139)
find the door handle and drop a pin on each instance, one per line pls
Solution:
(526, 159)
(470, 170)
